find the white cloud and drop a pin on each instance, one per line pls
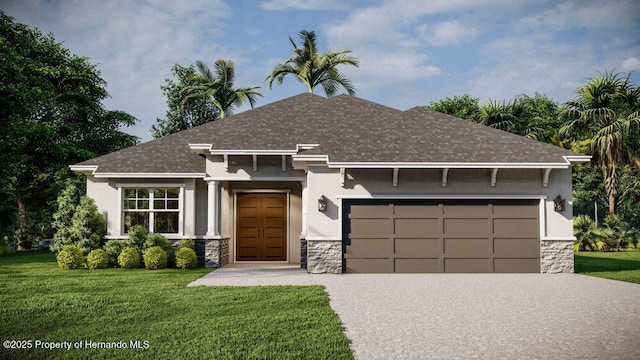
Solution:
(282, 5)
(446, 33)
(630, 64)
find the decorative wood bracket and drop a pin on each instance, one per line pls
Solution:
(445, 176)
(255, 162)
(395, 176)
(494, 176)
(545, 177)
(343, 175)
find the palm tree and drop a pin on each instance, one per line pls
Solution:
(312, 68)
(219, 88)
(605, 111)
(586, 233)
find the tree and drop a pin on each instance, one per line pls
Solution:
(181, 116)
(464, 107)
(218, 87)
(67, 202)
(312, 68)
(51, 115)
(87, 226)
(605, 111)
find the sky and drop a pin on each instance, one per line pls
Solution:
(411, 52)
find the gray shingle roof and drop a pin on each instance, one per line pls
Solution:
(348, 130)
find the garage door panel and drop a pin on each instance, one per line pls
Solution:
(466, 265)
(453, 236)
(417, 247)
(416, 227)
(465, 211)
(369, 248)
(369, 265)
(370, 211)
(515, 211)
(370, 228)
(418, 211)
(516, 265)
(516, 248)
(466, 248)
(460, 228)
(417, 265)
(516, 228)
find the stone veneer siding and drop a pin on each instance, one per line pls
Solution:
(303, 253)
(556, 256)
(212, 253)
(324, 256)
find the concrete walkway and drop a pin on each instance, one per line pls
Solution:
(471, 316)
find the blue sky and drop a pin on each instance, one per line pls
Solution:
(411, 52)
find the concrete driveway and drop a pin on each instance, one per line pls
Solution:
(471, 316)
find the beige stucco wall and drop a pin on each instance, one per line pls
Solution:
(461, 183)
(107, 197)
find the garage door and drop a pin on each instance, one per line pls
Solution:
(441, 236)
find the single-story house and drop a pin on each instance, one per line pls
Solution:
(342, 184)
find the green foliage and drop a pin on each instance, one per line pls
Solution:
(52, 116)
(155, 258)
(313, 68)
(113, 248)
(129, 258)
(137, 237)
(67, 202)
(464, 107)
(163, 242)
(181, 116)
(5, 247)
(188, 243)
(97, 259)
(87, 226)
(219, 88)
(186, 258)
(70, 257)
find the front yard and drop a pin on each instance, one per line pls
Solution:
(157, 316)
(623, 266)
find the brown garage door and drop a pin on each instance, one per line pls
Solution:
(441, 236)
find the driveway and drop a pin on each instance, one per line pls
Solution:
(471, 316)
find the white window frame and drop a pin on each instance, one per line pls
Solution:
(151, 187)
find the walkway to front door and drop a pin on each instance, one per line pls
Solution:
(261, 230)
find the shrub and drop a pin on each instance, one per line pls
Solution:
(129, 258)
(186, 258)
(163, 242)
(5, 248)
(70, 257)
(137, 237)
(87, 226)
(188, 243)
(155, 258)
(113, 248)
(66, 206)
(97, 259)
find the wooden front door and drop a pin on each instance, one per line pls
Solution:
(261, 229)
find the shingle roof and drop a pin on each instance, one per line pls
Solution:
(347, 129)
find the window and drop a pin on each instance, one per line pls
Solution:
(157, 209)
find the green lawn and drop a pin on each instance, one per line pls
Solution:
(624, 266)
(41, 302)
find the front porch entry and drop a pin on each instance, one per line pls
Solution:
(261, 227)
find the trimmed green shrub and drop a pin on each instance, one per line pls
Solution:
(137, 237)
(129, 258)
(70, 257)
(97, 259)
(186, 258)
(163, 242)
(155, 258)
(188, 243)
(87, 226)
(113, 248)
(66, 207)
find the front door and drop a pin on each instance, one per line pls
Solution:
(261, 230)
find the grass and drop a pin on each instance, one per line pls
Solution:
(623, 266)
(38, 301)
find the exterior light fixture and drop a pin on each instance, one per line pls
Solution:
(559, 204)
(322, 204)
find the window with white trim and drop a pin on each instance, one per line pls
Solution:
(157, 209)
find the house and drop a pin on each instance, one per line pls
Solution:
(347, 185)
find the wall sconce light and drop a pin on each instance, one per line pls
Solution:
(322, 203)
(559, 204)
